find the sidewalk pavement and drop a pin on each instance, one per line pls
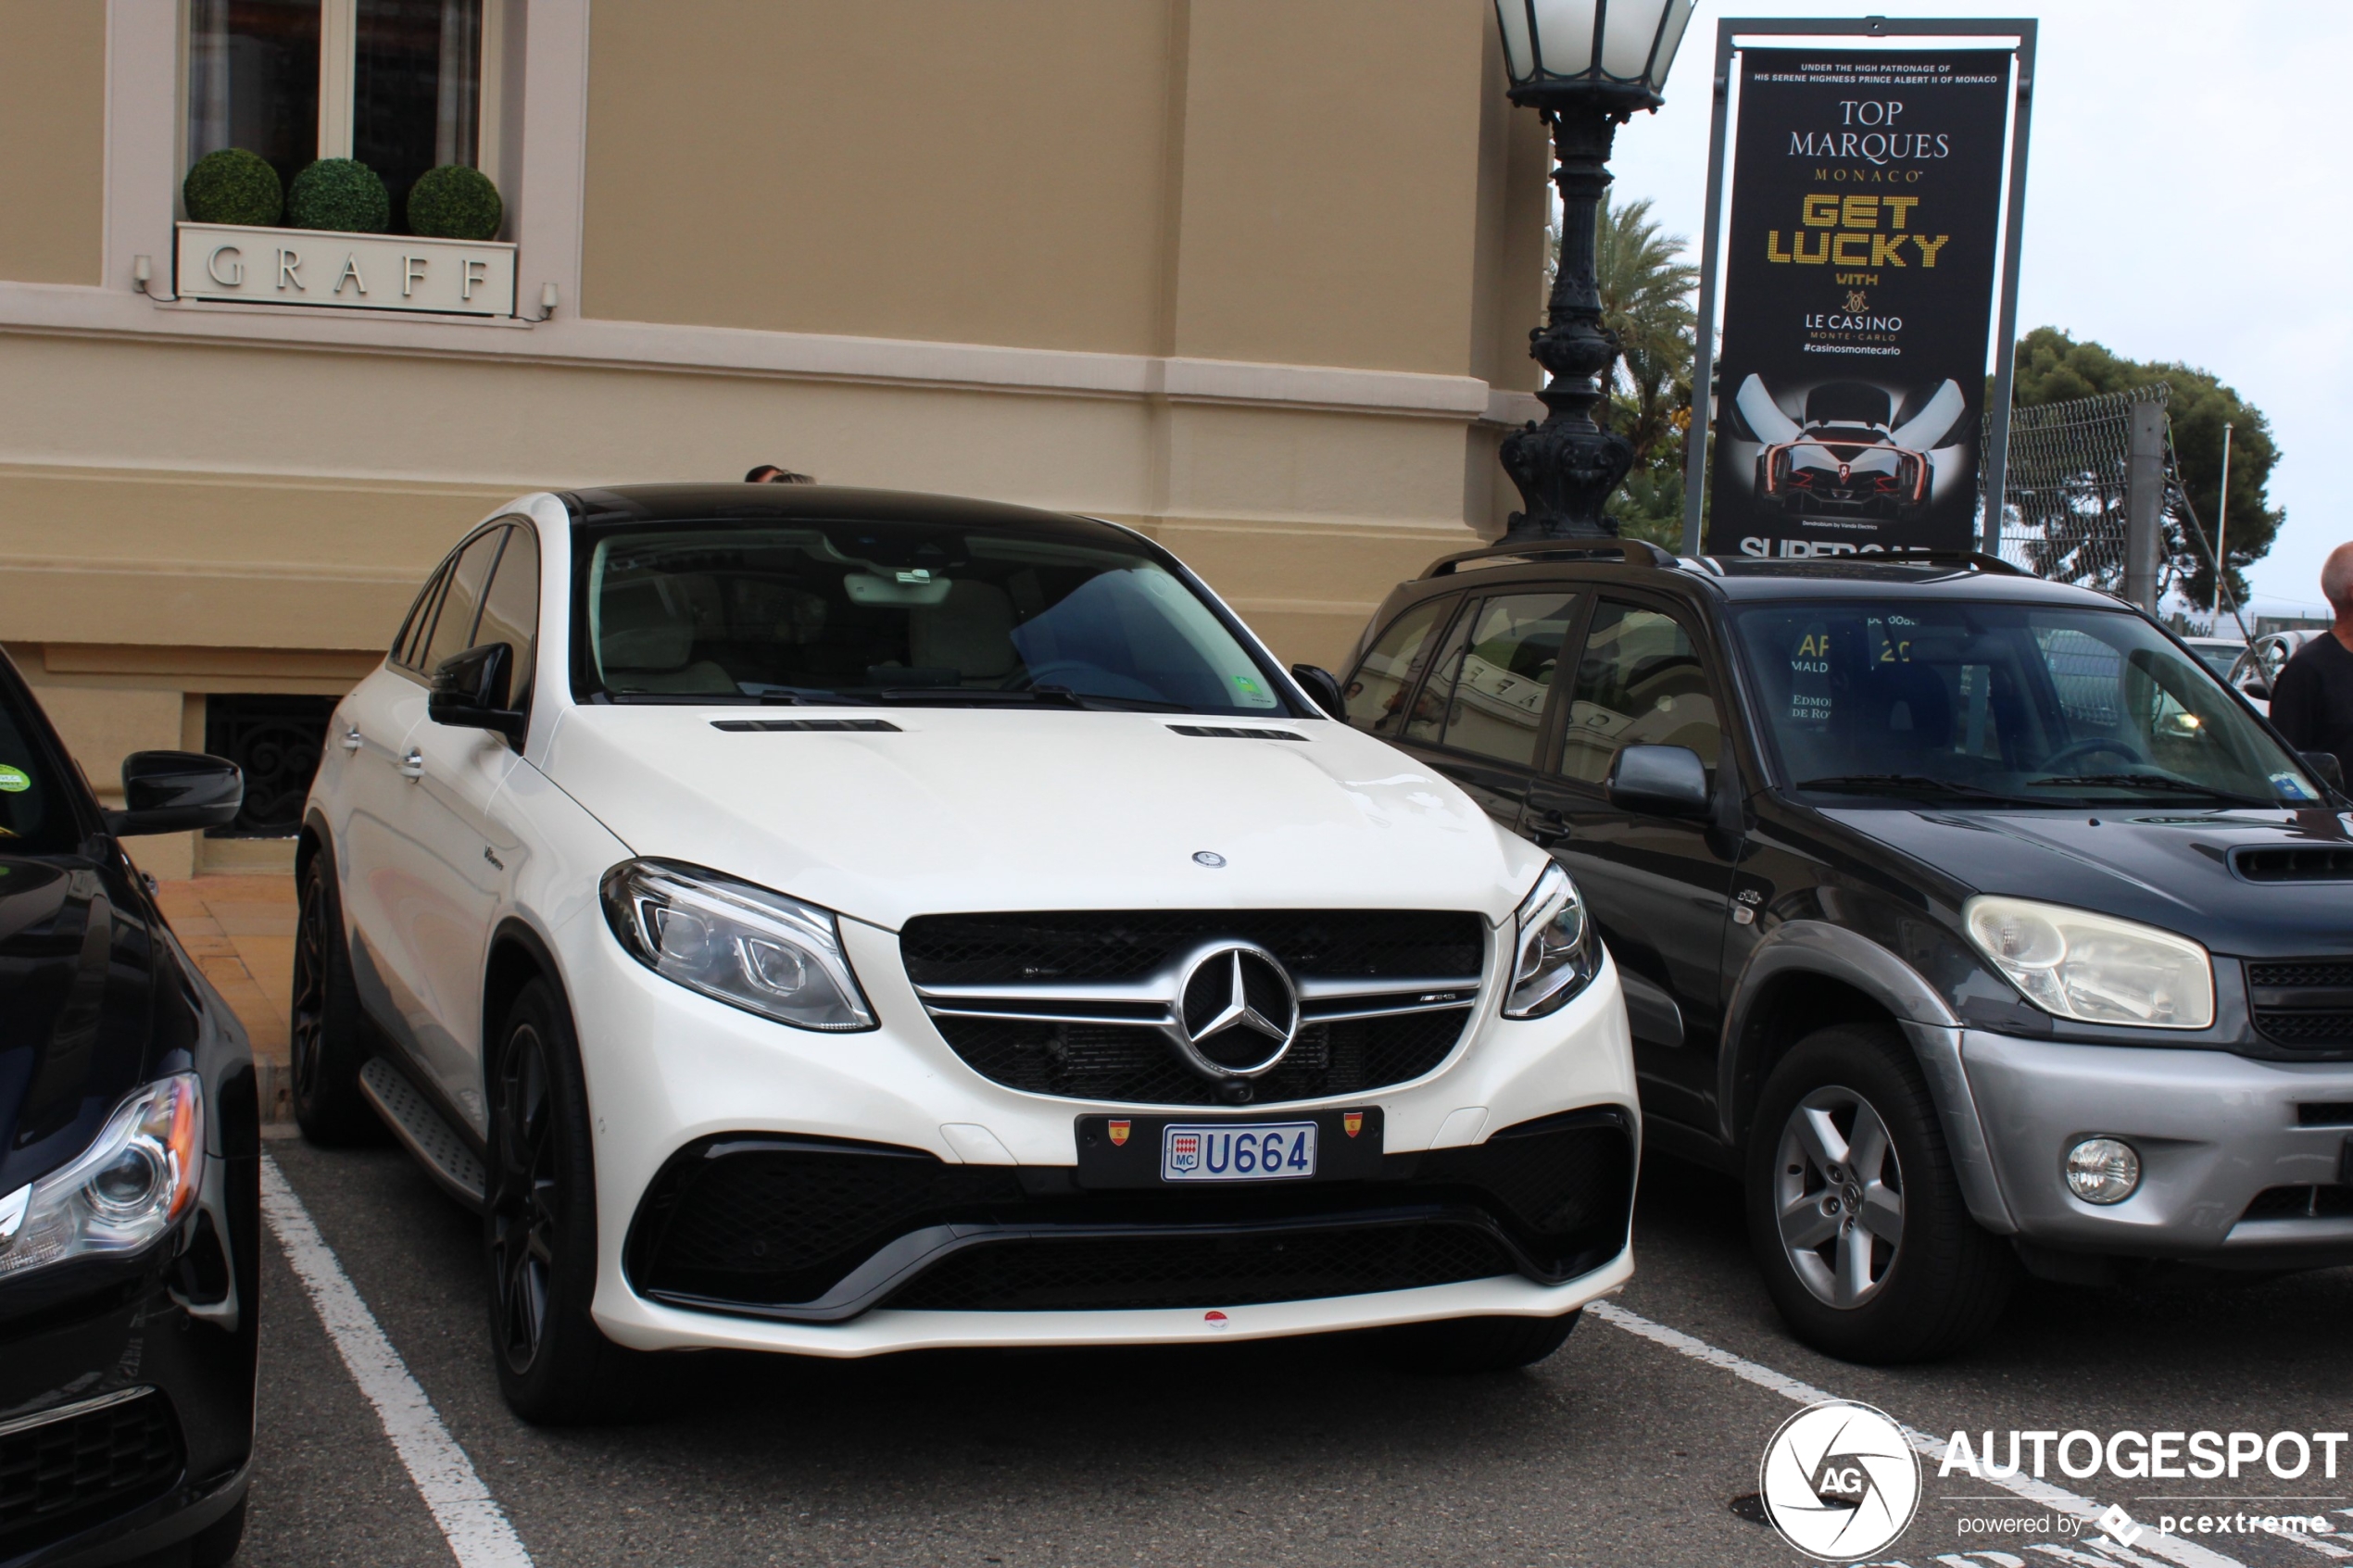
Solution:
(241, 930)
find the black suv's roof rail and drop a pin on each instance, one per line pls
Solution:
(1976, 559)
(1634, 552)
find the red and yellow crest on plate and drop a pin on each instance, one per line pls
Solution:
(1118, 1134)
(1351, 1122)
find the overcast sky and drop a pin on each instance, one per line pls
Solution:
(2189, 196)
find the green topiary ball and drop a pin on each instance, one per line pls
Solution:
(455, 202)
(339, 193)
(233, 186)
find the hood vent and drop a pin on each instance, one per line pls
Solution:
(1236, 734)
(764, 725)
(2299, 864)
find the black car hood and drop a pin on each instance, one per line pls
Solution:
(2165, 868)
(74, 986)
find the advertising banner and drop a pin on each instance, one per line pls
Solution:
(1858, 285)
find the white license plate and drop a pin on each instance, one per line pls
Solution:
(1238, 1151)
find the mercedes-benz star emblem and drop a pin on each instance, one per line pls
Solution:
(1237, 1011)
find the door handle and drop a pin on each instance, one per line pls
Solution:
(351, 739)
(413, 765)
(1548, 825)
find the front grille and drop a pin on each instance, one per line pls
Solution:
(1085, 1005)
(65, 1474)
(817, 1230)
(2304, 1005)
(2301, 1203)
(945, 952)
(1057, 1274)
(2294, 863)
(1136, 1065)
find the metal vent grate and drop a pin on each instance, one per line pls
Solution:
(767, 726)
(61, 1471)
(1214, 730)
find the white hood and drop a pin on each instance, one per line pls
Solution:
(963, 809)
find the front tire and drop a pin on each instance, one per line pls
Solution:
(1855, 1213)
(325, 1048)
(555, 1366)
(1457, 1347)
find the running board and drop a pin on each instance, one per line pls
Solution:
(446, 1157)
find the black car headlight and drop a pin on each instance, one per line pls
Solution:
(739, 944)
(137, 1179)
(1557, 953)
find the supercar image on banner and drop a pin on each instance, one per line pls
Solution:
(1858, 288)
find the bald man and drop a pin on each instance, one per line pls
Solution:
(2313, 700)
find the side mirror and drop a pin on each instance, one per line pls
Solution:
(1664, 781)
(2324, 763)
(176, 791)
(471, 689)
(1321, 684)
(2259, 691)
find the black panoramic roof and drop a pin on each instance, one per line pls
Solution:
(826, 503)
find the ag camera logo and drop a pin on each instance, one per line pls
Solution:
(1839, 1482)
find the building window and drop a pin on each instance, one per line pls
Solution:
(397, 84)
(277, 741)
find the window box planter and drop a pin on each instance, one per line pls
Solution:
(318, 267)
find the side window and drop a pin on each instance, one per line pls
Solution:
(1489, 695)
(453, 629)
(1640, 682)
(510, 611)
(411, 644)
(1382, 680)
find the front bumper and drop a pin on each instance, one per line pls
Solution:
(2241, 1159)
(670, 1071)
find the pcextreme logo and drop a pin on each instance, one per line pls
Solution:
(1839, 1482)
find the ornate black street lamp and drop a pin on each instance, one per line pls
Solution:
(1588, 65)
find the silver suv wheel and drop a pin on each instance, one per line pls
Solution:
(1839, 1196)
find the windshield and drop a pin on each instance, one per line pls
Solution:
(899, 613)
(36, 816)
(2004, 704)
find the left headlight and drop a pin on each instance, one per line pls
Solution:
(2091, 968)
(741, 944)
(1557, 953)
(134, 1181)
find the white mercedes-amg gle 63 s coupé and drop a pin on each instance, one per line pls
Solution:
(835, 921)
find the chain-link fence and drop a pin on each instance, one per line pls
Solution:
(2065, 497)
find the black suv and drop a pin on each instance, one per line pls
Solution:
(1966, 917)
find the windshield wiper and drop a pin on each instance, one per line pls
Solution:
(770, 694)
(1906, 784)
(2164, 781)
(1033, 697)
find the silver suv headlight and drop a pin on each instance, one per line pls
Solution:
(1557, 952)
(137, 1179)
(741, 944)
(2076, 964)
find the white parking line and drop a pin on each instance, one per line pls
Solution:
(470, 1517)
(2058, 1499)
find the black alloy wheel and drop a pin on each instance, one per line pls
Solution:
(523, 1201)
(1854, 1211)
(539, 1228)
(325, 1045)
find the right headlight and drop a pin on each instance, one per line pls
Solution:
(742, 945)
(2075, 964)
(1557, 952)
(137, 1179)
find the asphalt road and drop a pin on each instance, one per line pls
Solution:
(1617, 1451)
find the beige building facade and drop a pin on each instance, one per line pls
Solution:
(1254, 276)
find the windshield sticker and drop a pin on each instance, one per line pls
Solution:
(2288, 784)
(16, 781)
(1252, 694)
